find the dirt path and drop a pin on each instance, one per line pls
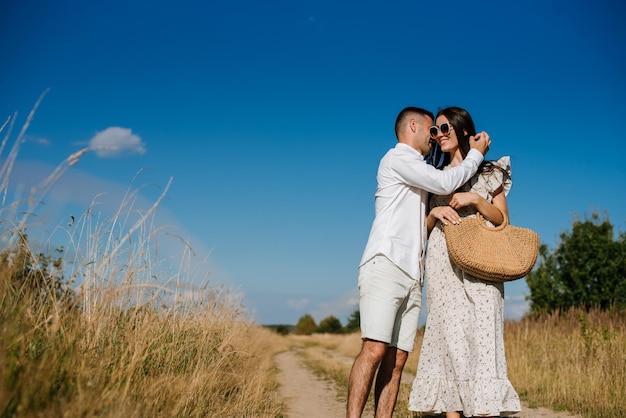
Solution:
(308, 396)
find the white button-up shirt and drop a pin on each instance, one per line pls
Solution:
(404, 180)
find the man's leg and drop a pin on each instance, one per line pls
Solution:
(362, 376)
(388, 381)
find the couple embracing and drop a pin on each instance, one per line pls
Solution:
(462, 365)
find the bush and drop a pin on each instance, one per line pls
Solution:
(330, 325)
(306, 325)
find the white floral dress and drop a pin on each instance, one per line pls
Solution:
(462, 365)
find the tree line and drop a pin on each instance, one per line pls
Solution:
(331, 325)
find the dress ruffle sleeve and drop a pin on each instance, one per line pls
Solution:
(497, 178)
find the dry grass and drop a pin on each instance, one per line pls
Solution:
(132, 363)
(129, 348)
(135, 338)
(575, 361)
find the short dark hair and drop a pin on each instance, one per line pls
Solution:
(404, 113)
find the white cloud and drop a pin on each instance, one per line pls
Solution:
(116, 142)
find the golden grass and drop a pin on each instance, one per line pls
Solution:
(123, 347)
(133, 363)
(575, 361)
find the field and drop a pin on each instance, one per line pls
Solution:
(207, 359)
(575, 361)
(121, 360)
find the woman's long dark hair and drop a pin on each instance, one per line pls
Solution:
(464, 127)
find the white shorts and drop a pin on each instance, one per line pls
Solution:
(390, 303)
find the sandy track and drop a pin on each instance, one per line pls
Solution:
(308, 396)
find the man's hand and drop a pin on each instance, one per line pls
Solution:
(480, 142)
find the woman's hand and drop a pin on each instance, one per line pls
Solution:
(445, 214)
(493, 212)
(460, 200)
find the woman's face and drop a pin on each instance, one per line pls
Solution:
(448, 140)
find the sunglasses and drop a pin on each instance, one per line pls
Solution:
(445, 129)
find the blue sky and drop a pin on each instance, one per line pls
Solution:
(270, 119)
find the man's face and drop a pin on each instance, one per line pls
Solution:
(423, 142)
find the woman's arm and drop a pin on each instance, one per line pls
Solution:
(491, 211)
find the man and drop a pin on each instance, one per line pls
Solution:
(390, 274)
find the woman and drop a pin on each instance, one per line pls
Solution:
(462, 366)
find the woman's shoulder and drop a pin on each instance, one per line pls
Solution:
(497, 173)
(504, 163)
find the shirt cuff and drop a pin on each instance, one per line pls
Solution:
(475, 155)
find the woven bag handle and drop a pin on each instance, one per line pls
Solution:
(483, 222)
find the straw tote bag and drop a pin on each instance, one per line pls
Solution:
(498, 254)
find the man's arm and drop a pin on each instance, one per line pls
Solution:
(442, 182)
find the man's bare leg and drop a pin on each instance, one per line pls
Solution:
(362, 376)
(388, 381)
